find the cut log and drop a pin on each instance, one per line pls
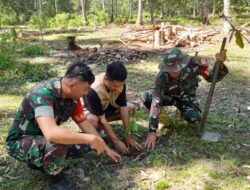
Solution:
(157, 40)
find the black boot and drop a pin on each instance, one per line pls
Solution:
(61, 182)
(33, 167)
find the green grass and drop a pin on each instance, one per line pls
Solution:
(180, 161)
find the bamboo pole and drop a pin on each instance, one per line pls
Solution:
(211, 91)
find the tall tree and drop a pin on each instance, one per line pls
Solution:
(206, 21)
(130, 9)
(112, 11)
(40, 7)
(194, 8)
(116, 8)
(103, 4)
(152, 4)
(140, 11)
(84, 14)
(227, 13)
(56, 6)
(162, 9)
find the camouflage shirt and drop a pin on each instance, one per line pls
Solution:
(168, 89)
(45, 99)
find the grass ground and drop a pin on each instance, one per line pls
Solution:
(180, 160)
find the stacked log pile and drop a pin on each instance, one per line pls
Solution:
(177, 36)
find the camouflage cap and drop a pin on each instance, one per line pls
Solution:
(174, 60)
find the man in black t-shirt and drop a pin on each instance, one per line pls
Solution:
(106, 101)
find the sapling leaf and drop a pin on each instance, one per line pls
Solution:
(133, 126)
(239, 40)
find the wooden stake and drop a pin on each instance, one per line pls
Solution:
(211, 91)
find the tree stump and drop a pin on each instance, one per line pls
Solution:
(71, 44)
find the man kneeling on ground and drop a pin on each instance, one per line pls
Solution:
(106, 101)
(35, 136)
(176, 84)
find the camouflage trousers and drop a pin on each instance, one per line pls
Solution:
(189, 109)
(42, 154)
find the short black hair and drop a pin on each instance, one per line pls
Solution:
(116, 71)
(80, 71)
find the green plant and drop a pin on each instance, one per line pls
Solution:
(98, 18)
(133, 126)
(34, 73)
(160, 185)
(31, 50)
(35, 21)
(65, 20)
(7, 52)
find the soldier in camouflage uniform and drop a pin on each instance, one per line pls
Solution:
(35, 136)
(176, 84)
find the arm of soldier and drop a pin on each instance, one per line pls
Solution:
(125, 120)
(60, 135)
(207, 69)
(109, 131)
(160, 84)
(88, 128)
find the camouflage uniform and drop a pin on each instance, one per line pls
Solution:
(179, 91)
(25, 140)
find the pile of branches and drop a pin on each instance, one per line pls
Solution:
(105, 56)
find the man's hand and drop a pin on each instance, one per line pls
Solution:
(151, 140)
(97, 143)
(121, 147)
(132, 142)
(221, 57)
(113, 155)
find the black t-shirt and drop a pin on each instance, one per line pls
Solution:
(93, 104)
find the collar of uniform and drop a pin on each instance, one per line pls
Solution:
(57, 87)
(185, 72)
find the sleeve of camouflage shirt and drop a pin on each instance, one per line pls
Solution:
(161, 83)
(42, 102)
(207, 70)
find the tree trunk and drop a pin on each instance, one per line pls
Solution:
(130, 9)
(35, 5)
(162, 10)
(40, 8)
(116, 8)
(194, 8)
(84, 15)
(202, 10)
(140, 10)
(214, 9)
(103, 5)
(249, 7)
(227, 26)
(112, 11)
(206, 21)
(56, 7)
(152, 11)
